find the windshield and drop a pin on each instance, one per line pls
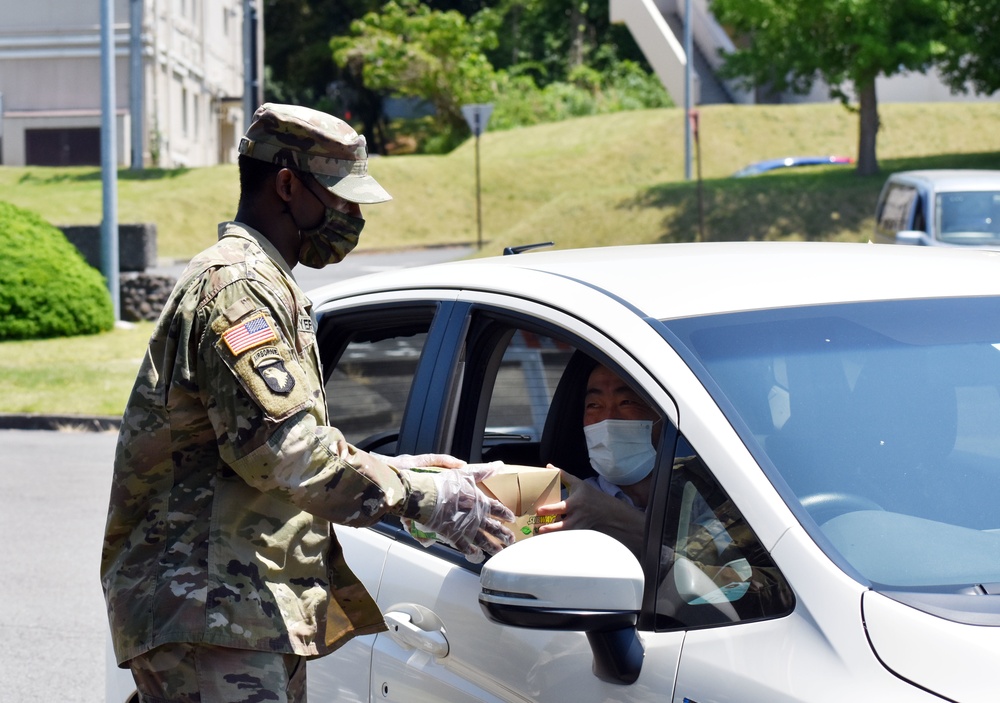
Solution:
(968, 217)
(882, 422)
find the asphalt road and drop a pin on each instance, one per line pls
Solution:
(53, 503)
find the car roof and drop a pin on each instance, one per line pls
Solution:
(681, 280)
(951, 179)
(789, 162)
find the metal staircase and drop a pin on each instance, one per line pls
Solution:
(658, 28)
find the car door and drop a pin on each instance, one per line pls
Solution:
(375, 350)
(490, 383)
(509, 358)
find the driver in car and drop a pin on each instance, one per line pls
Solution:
(622, 432)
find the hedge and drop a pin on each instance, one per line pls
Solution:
(47, 289)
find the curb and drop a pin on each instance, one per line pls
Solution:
(64, 423)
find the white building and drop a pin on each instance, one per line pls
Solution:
(658, 28)
(190, 84)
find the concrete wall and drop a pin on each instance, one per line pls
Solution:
(137, 249)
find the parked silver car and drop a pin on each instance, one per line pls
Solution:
(940, 208)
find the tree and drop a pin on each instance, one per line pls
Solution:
(410, 50)
(551, 38)
(846, 43)
(970, 62)
(299, 67)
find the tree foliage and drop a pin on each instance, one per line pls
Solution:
(444, 58)
(970, 60)
(413, 51)
(789, 44)
(550, 39)
(299, 68)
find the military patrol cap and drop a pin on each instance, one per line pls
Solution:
(313, 141)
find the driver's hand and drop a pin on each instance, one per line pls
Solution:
(584, 508)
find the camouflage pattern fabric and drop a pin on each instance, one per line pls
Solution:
(308, 140)
(186, 673)
(227, 476)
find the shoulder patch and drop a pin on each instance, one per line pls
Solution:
(270, 366)
(249, 334)
(243, 306)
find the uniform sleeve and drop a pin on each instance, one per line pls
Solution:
(266, 404)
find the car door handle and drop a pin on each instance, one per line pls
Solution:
(409, 634)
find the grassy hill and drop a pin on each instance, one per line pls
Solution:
(585, 182)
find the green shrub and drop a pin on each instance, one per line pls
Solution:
(623, 86)
(47, 289)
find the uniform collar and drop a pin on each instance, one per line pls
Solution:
(238, 229)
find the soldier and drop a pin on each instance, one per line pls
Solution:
(221, 572)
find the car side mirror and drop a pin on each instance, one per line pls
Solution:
(575, 580)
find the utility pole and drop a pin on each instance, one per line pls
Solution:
(136, 88)
(109, 157)
(688, 88)
(252, 40)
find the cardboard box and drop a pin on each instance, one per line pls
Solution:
(523, 489)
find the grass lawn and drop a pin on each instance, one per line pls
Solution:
(90, 375)
(612, 179)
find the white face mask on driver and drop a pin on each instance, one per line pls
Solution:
(621, 450)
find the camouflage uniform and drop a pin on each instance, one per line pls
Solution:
(299, 138)
(197, 673)
(227, 476)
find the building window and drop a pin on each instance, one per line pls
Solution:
(63, 147)
(184, 112)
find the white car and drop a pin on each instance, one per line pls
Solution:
(940, 207)
(836, 406)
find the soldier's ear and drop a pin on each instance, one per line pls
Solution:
(284, 182)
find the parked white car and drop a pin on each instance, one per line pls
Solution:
(837, 407)
(940, 208)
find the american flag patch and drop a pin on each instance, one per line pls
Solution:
(249, 334)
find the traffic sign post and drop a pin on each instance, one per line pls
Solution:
(477, 116)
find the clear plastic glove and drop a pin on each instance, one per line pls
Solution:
(412, 461)
(465, 517)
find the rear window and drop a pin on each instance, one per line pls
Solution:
(895, 209)
(968, 217)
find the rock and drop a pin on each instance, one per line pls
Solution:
(144, 295)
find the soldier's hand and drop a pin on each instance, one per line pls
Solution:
(413, 461)
(467, 518)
